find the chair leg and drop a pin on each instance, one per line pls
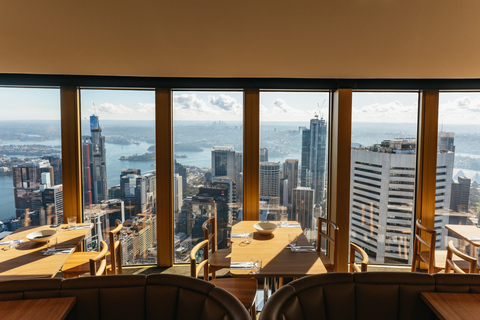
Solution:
(253, 311)
(280, 282)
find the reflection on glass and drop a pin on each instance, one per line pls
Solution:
(383, 162)
(293, 156)
(118, 165)
(457, 198)
(208, 151)
(31, 192)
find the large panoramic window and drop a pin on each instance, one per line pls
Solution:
(457, 199)
(383, 164)
(294, 157)
(208, 166)
(31, 192)
(118, 167)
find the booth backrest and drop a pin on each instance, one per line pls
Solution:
(368, 295)
(156, 296)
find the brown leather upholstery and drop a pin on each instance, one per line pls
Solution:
(156, 296)
(368, 295)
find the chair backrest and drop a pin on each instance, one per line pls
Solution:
(429, 246)
(353, 265)
(324, 227)
(450, 262)
(98, 265)
(209, 228)
(194, 267)
(116, 248)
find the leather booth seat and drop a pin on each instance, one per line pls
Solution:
(156, 296)
(368, 295)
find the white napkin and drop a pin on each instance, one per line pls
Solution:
(5, 243)
(237, 235)
(58, 251)
(83, 227)
(293, 225)
(241, 265)
(474, 238)
(303, 249)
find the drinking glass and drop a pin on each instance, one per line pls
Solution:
(72, 223)
(14, 241)
(292, 239)
(307, 234)
(51, 244)
(283, 219)
(248, 236)
(256, 265)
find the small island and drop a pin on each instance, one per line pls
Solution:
(139, 157)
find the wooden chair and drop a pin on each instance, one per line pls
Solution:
(244, 289)
(219, 259)
(353, 265)
(78, 263)
(435, 259)
(98, 264)
(467, 264)
(329, 259)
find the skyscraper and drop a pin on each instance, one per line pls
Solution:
(270, 179)
(223, 161)
(314, 147)
(460, 194)
(95, 163)
(302, 203)
(290, 172)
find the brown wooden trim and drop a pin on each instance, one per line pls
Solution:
(71, 153)
(427, 157)
(164, 175)
(339, 171)
(251, 154)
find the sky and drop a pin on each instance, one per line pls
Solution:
(44, 104)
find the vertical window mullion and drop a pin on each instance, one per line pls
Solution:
(251, 151)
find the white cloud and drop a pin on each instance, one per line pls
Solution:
(392, 112)
(146, 108)
(112, 108)
(225, 102)
(464, 109)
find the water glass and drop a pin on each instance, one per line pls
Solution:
(72, 223)
(256, 265)
(307, 234)
(292, 239)
(283, 220)
(14, 241)
(51, 244)
(248, 236)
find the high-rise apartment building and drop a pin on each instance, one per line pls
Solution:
(313, 166)
(290, 172)
(460, 194)
(302, 206)
(270, 179)
(382, 198)
(263, 154)
(177, 193)
(223, 161)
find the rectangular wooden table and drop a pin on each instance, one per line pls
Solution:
(277, 259)
(28, 261)
(37, 309)
(453, 306)
(469, 233)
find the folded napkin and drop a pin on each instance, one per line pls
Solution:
(5, 243)
(474, 238)
(292, 225)
(58, 251)
(83, 227)
(303, 249)
(237, 235)
(241, 265)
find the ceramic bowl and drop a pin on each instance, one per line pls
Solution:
(265, 228)
(41, 235)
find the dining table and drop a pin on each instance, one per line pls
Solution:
(29, 259)
(278, 260)
(37, 309)
(453, 306)
(469, 233)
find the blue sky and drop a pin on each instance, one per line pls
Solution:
(44, 104)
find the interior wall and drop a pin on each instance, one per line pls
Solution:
(218, 38)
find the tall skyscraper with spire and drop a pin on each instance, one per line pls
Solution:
(94, 162)
(313, 166)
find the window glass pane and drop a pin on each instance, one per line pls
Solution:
(30, 158)
(294, 157)
(458, 167)
(383, 164)
(208, 151)
(118, 165)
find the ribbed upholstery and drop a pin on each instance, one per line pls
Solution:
(367, 295)
(170, 297)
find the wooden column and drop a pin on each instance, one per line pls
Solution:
(164, 175)
(251, 154)
(71, 153)
(426, 178)
(339, 171)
